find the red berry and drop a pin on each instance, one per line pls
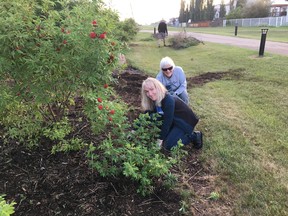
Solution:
(93, 35)
(112, 112)
(102, 36)
(94, 23)
(105, 85)
(110, 119)
(100, 107)
(99, 100)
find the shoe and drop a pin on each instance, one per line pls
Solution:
(198, 143)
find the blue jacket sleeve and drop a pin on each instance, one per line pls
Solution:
(182, 81)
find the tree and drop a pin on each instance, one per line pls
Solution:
(182, 12)
(256, 8)
(231, 4)
(198, 10)
(235, 14)
(210, 10)
(222, 12)
(187, 14)
(241, 3)
(192, 11)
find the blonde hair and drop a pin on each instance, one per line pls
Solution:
(146, 102)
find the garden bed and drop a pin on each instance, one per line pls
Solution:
(42, 183)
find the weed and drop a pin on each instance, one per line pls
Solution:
(214, 196)
(181, 41)
(6, 209)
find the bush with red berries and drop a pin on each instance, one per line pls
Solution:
(51, 54)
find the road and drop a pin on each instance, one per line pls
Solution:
(271, 47)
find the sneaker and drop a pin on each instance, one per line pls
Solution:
(198, 143)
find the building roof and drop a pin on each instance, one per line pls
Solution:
(277, 3)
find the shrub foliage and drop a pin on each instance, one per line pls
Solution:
(6, 209)
(50, 54)
(53, 53)
(133, 153)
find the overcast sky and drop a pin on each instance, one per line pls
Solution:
(147, 11)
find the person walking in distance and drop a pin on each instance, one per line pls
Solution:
(162, 32)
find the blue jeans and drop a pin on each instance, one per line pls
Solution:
(184, 96)
(175, 135)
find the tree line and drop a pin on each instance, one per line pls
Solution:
(204, 10)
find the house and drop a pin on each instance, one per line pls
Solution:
(228, 7)
(278, 16)
(279, 8)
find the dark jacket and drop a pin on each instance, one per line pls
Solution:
(162, 27)
(176, 113)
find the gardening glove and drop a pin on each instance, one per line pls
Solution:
(159, 143)
(129, 136)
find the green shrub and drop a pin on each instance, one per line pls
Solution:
(6, 209)
(51, 53)
(134, 154)
(127, 30)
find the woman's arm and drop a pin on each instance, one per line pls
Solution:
(182, 81)
(168, 106)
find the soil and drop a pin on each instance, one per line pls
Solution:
(43, 184)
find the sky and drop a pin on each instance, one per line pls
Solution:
(147, 11)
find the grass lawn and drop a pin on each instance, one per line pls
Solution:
(243, 117)
(278, 34)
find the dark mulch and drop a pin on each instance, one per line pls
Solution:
(42, 183)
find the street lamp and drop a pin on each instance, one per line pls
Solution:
(263, 41)
(236, 29)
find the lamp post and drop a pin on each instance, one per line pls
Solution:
(263, 41)
(236, 29)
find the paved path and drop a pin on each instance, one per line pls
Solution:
(271, 47)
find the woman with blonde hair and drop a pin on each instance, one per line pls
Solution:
(178, 119)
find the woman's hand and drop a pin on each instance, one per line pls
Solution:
(159, 143)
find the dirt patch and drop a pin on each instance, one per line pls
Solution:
(204, 78)
(42, 183)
